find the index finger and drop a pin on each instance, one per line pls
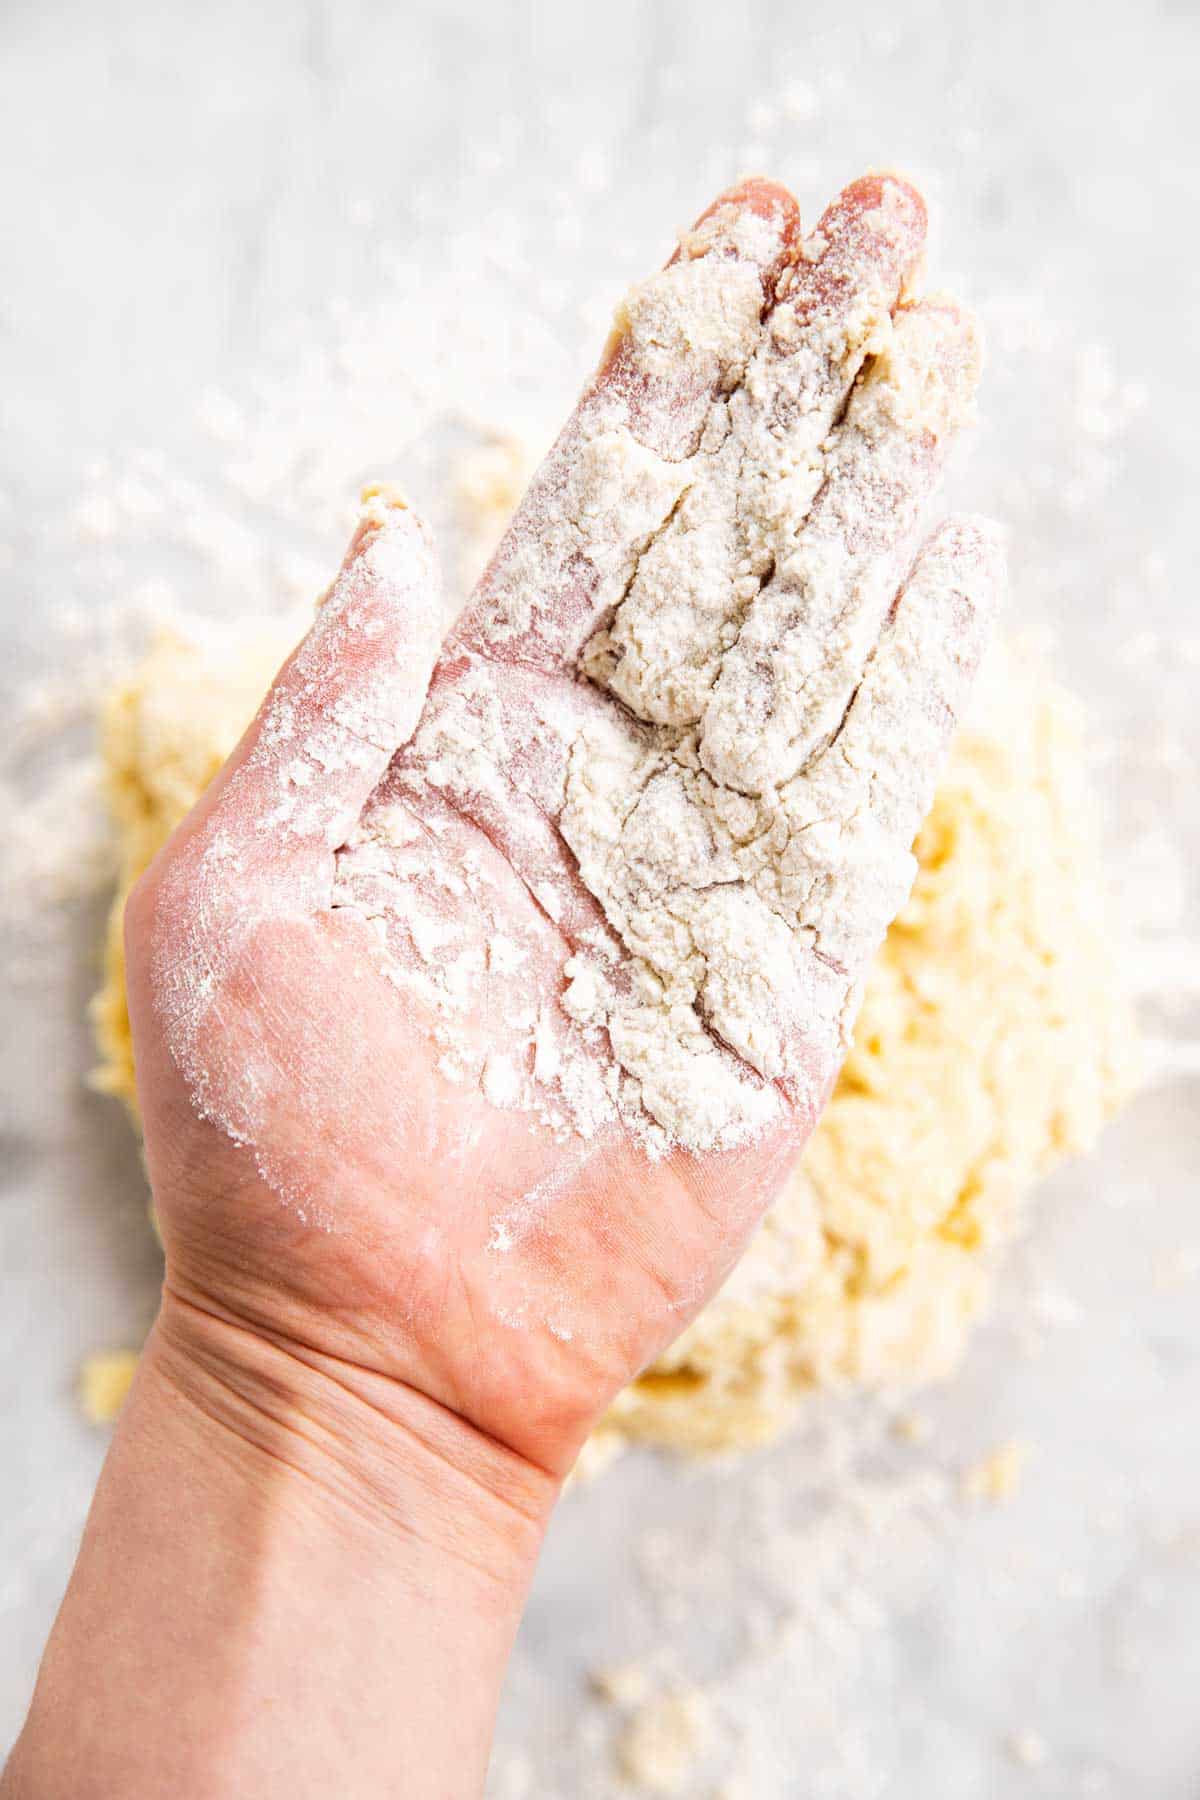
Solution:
(619, 467)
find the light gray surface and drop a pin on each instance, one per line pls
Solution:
(193, 190)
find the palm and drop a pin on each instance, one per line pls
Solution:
(483, 1193)
(428, 1233)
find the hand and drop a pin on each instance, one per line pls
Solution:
(484, 1000)
(381, 1123)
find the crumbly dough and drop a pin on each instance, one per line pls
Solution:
(992, 1042)
(104, 1383)
(662, 1740)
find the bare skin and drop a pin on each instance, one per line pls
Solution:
(392, 1308)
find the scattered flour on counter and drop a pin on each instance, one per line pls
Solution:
(998, 1476)
(1028, 1748)
(662, 1740)
(763, 1609)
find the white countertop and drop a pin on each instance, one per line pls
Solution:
(204, 200)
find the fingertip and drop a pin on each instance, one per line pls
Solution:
(946, 609)
(887, 216)
(732, 258)
(979, 536)
(765, 198)
(756, 220)
(885, 191)
(974, 548)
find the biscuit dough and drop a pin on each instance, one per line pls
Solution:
(993, 1041)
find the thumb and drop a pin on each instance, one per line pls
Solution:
(259, 847)
(346, 699)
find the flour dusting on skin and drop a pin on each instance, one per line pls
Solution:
(656, 813)
(687, 678)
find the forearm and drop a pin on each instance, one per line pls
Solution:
(294, 1581)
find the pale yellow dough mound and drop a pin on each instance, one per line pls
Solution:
(992, 1042)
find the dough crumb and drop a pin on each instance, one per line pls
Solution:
(489, 479)
(104, 1381)
(662, 1742)
(913, 1428)
(622, 1684)
(998, 1476)
(1028, 1747)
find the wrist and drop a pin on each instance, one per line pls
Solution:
(353, 1447)
(295, 1579)
(278, 1537)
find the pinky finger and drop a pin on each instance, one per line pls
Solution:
(879, 770)
(915, 687)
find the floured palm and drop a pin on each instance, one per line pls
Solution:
(525, 998)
